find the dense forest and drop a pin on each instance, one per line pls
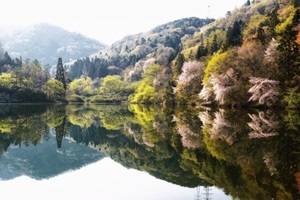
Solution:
(248, 57)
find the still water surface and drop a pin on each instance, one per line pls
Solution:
(134, 152)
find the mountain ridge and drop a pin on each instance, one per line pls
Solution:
(35, 42)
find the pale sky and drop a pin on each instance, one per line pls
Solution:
(110, 20)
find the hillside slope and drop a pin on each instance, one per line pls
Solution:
(161, 43)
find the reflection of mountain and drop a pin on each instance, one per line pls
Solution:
(183, 146)
(45, 160)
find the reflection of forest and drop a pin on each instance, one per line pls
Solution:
(251, 155)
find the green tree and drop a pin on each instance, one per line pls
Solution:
(214, 45)
(177, 69)
(289, 48)
(6, 80)
(201, 51)
(145, 93)
(82, 86)
(60, 73)
(234, 35)
(112, 84)
(54, 89)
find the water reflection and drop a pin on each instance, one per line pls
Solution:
(248, 154)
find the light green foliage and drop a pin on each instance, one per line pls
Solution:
(286, 18)
(292, 98)
(253, 24)
(151, 73)
(111, 84)
(82, 86)
(145, 117)
(54, 89)
(6, 80)
(83, 118)
(145, 92)
(216, 38)
(215, 65)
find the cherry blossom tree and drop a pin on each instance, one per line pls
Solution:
(189, 81)
(222, 87)
(191, 71)
(271, 52)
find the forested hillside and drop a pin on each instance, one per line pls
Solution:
(162, 43)
(250, 57)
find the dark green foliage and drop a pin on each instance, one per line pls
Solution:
(261, 34)
(60, 73)
(234, 35)
(61, 131)
(96, 67)
(289, 48)
(7, 63)
(296, 3)
(201, 51)
(21, 95)
(273, 20)
(214, 46)
(177, 70)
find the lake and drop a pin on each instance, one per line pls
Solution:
(156, 153)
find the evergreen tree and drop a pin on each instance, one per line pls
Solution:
(201, 51)
(60, 73)
(214, 45)
(296, 3)
(261, 34)
(178, 65)
(234, 35)
(289, 48)
(273, 20)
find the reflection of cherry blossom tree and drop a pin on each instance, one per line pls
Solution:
(189, 138)
(269, 160)
(261, 126)
(205, 118)
(264, 90)
(218, 127)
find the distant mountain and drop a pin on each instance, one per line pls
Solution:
(161, 43)
(46, 43)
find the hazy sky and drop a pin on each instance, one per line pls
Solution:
(110, 20)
